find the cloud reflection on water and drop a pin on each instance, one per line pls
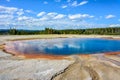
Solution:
(64, 46)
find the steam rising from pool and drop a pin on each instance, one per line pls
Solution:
(63, 46)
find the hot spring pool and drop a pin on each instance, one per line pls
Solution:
(63, 46)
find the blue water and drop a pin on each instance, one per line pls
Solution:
(66, 46)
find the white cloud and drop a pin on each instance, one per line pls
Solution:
(5, 16)
(110, 16)
(49, 16)
(52, 14)
(64, 6)
(9, 10)
(79, 16)
(51, 19)
(20, 12)
(114, 25)
(41, 14)
(59, 16)
(46, 21)
(23, 18)
(29, 11)
(83, 3)
(13, 10)
(75, 3)
(45, 2)
(44, 18)
(11, 16)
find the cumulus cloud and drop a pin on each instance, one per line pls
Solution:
(29, 11)
(6, 16)
(58, 23)
(11, 16)
(110, 16)
(44, 18)
(23, 18)
(52, 14)
(13, 10)
(75, 3)
(9, 10)
(80, 16)
(41, 14)
(20, 12)
(59, 16)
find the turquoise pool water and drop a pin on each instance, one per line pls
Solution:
(64, 46)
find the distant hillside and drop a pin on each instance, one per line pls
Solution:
(99, 31)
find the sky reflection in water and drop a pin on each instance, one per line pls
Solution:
(64, 46)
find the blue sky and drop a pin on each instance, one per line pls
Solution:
(59, 14)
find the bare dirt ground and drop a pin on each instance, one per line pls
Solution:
(78, 67)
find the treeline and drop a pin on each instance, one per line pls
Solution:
(99, 31)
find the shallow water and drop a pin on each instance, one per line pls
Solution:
(63, 46)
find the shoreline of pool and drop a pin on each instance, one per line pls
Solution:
(34, 56)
